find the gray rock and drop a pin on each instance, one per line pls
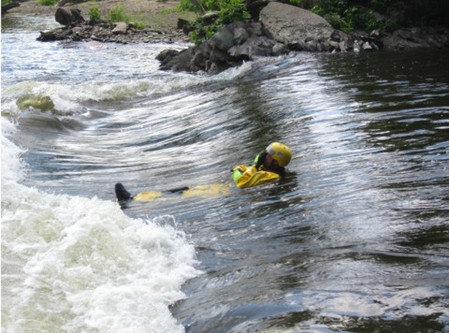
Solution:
(357, 46)
(223, 39)
(230, 46)
(289, 24)
(62, 16)
(77, 29)
(120, 28)
(68, 18)
(411, 38)
(240, 35)
(279, 49)
(367, 46)
(166, 55)
(9, 6)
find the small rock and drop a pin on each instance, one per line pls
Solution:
(279, 48)
(367, 46)
(343, 46)
(120, 28)
(334, 45)
(356, 46)
(375, 33)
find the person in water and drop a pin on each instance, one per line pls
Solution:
(268, 165)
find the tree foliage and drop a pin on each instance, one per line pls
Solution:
(346, 15)
(384, 15)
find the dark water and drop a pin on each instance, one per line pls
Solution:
(356, 237)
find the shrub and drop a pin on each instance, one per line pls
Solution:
(116, 14)
(186, 5)
(297, 3)
(228, 11)
(139, 25)
(94, 14)
(338, 13)
(232, 11)
(348, 15)
(48, 2)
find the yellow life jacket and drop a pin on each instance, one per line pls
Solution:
(246, 176)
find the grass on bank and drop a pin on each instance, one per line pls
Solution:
(158, 15)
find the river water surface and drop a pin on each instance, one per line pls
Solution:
(355, 239)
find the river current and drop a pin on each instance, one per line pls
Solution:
(354, 239)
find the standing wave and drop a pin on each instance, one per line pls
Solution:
(77, 264)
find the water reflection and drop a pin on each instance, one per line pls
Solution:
(260, 124)
(15, 24)
(342, 233)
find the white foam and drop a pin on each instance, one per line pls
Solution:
(78, 264)
(12, 167)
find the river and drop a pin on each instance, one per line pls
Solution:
(354, 239)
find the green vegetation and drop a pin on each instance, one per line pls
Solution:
(94, 14)
(188, 5)
(227, 11)
(48, 2)
(116, 14)
(297, 3)
(346, 15)
(349, 15)
(384, 15)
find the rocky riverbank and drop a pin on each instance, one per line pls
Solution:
(281, 28)
(76, 28)
(154, 14)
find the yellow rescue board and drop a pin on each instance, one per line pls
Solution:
(147, 196)
(206, 190)
(193, 191)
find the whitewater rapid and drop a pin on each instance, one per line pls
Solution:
(79, 264)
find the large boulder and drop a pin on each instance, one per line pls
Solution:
(291, 25)
(70, 17)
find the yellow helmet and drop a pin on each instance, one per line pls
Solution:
(280, 153)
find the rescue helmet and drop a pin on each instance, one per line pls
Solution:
(280, 152)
